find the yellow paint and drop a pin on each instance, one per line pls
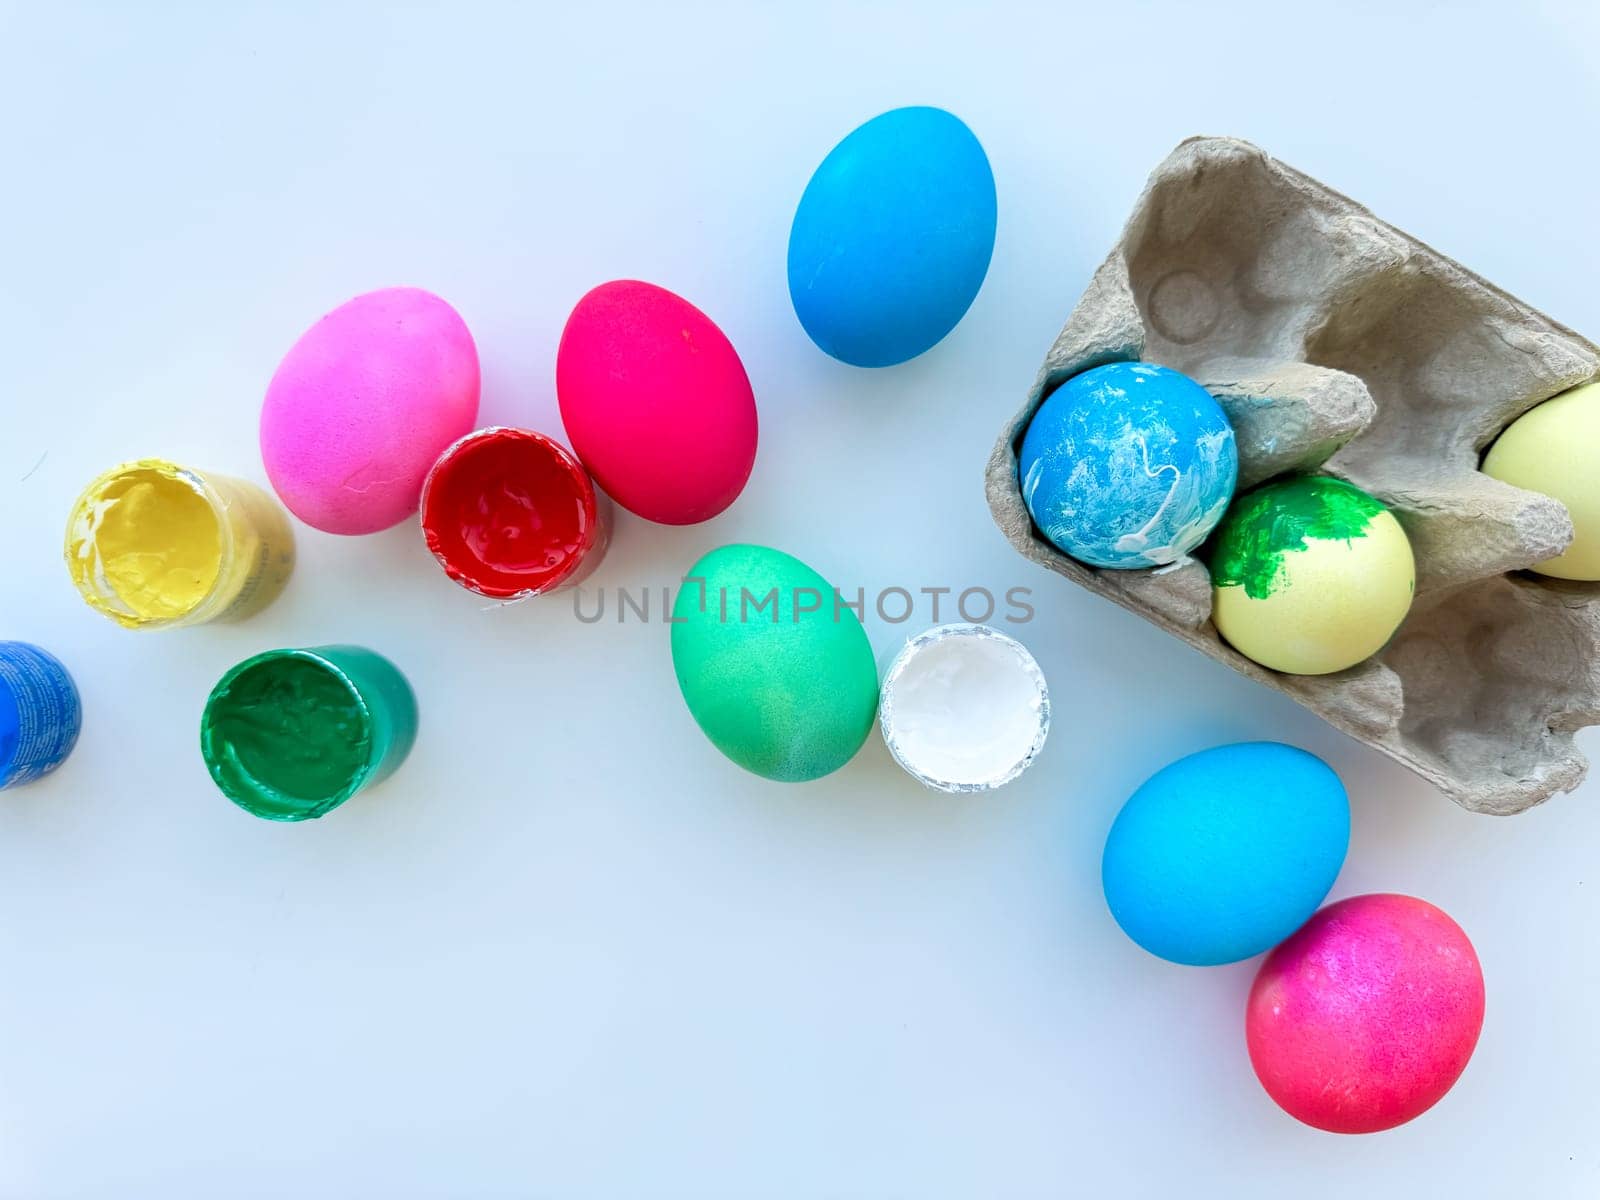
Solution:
(151, 544)
(1555, 449)
(1337, 603)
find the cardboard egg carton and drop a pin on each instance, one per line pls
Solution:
(1337, 342)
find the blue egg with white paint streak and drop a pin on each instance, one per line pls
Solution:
(1128, 465)
(892, 237)
(1223, 854)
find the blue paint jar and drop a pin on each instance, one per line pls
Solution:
(40, 714)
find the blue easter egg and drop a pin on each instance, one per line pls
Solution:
(1223, 854)
(1128, 465)
(892, 238)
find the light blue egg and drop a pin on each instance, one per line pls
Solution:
(892, 237)
(1128, 465)
(1223, 854)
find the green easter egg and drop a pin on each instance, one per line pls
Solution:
(774, 669)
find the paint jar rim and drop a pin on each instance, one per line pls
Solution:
(258, 801)
(468, 573)
(82, 529)
(907, 655)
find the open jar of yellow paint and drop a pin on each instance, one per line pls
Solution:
(151, 545)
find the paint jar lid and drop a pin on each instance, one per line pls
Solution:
(964, 708)
(290, 735)
(510, 513)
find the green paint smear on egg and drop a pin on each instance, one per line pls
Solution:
(1281, 517)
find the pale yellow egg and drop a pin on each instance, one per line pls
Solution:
(1555, 449)
(1310, 575)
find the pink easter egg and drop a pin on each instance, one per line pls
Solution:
(1367, 1016)
(656, 403)
(363, 405)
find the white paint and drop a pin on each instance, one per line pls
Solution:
(964, 708)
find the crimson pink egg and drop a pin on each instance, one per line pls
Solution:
(656, 403)
(1367, 1016)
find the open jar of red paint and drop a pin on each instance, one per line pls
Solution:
(510, 513)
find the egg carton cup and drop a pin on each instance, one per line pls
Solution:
(1336, 342)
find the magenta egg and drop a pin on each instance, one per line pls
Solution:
(363, 405)
(656, 402)
(1367, 1016)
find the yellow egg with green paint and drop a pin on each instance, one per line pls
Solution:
(1310, 575)
(1555, 450)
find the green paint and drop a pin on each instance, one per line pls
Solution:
(1271, 521)
(779, 676)
(291, 734)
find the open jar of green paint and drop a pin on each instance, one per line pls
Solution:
(289, 735)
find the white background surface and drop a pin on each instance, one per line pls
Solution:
(570, 951)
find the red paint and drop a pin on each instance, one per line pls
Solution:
(656, 402)
(1366, 1017)
(509, 513)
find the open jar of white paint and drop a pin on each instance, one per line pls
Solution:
(964, 708)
